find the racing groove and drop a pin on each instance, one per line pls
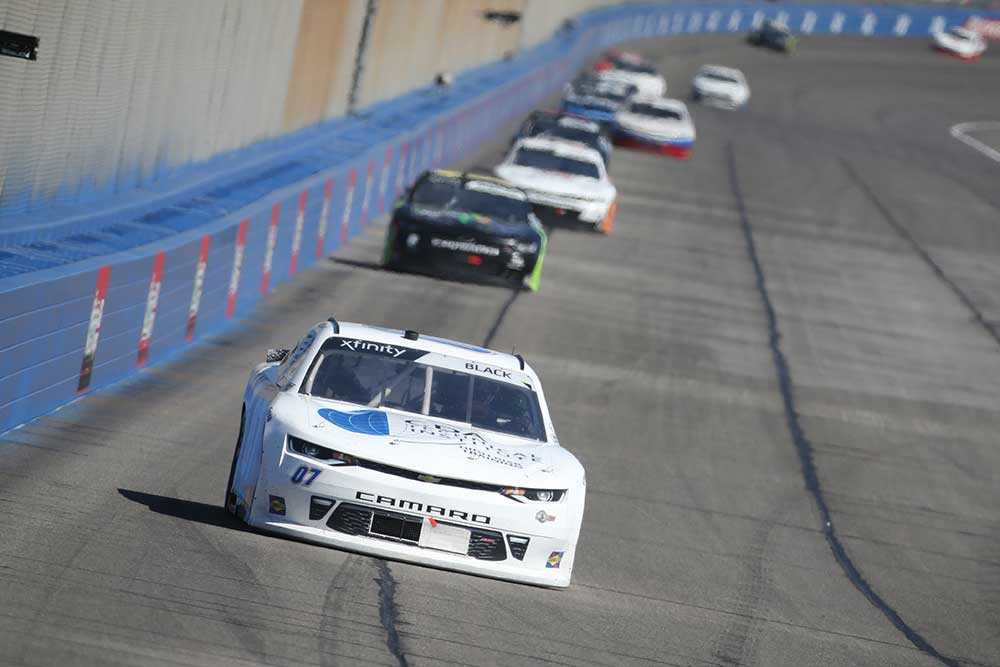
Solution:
(878, 236)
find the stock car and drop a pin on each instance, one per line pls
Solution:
(658, 125)
(719, 86)
(562, 177)
(636, 72)
(773, 35)
(960, 43)
(595, 99)
(614, 56)
(567, 128)
(468, 226)
(405, 446)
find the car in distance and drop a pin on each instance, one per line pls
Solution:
(960, 43)
(595, 99)
(466, 226)
(658, 125)
(563, 178)
(567, 128)
(637, 72)
(719, 86)
(408, 447)
(773, 35)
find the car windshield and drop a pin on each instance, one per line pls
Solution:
(549, 161)
(573, 134)
(644, 109)
(716, 76)
(635, 68)
(483, 198)
(379, 380)
(603, 92)
(959, 34)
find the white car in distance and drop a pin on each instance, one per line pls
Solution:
(724, 87)
(565, 177)
(960, 43)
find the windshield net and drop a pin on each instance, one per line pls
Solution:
(548, 161)
(375, 380)
(477, 197)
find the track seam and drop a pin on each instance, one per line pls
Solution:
(802, 443)
(920, 251)
(388, 611)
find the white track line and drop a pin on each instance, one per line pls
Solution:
(959, 132)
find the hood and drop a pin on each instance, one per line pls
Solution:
(555, 183)
(470, 223)
(659, 127)
(431, 446)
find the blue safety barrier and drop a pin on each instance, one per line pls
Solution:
(126, 287)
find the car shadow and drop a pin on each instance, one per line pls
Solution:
(189, 510)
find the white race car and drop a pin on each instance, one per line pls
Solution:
(659, 125)
(959, 42)
(641, 75)
(564, 177)
(720, 86)
(408, 447)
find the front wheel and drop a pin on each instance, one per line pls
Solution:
(231, 499)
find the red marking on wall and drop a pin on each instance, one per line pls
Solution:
(93, 329)
(199, 286)
(324, 216)
(300, 218)
(400, 171)
(383, 184)
(234, 277)
(439, 151)
(348, 205)
(368, 187)
(149, 318)
(272, 240)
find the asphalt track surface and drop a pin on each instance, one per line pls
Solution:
(814, 292)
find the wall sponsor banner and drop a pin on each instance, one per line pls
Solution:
(198, 288)
(272, 240)
(348, 205)
(300, 218)
(234, 276)
(93, 329)
(324, 217)
(988, 28)
(152, 299)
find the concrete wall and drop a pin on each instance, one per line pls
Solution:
(126, 92)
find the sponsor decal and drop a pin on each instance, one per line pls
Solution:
(401, 170)
(348, 205)
(356, 345)
(367, 198)
(988, 28)
(300, 218)
(276, 505)
(465, 246)
(383, 183)
(414, 506)
(152, 299)
(544, 516)
(324, 217)
(199, 286)
(364, 422)
(94, 329)
(496, 372)
(272, 240)
(234, 277)
(555, 558)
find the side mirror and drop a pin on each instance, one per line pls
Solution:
(275, 356)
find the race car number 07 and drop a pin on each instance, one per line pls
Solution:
(305, 476)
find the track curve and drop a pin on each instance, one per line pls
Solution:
(879, 237)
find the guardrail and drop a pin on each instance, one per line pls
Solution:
(69, 330)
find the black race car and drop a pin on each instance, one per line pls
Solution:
(560, 126)
(773, 35)
(467, 226)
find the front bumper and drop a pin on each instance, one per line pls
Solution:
(361, 496)
(679, 148)
(588, 211)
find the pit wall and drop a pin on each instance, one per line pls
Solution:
(73, 329)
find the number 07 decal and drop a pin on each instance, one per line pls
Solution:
(305, 476)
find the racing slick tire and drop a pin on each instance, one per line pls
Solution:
(230, 502)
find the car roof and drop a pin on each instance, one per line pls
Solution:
(669, 103)
(472, 176)
(560, 147)
(428, 343)
(579, 124)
